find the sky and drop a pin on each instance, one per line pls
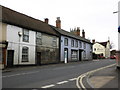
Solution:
(94, 16)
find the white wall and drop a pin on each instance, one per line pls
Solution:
(99, 49)
(13, 44)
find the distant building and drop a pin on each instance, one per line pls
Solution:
(102, 49)
(73, 47)
(30, 41)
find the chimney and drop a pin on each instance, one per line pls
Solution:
(83, 33)
(93, 41)
(78, 31)
(46, 20)
(58, 22)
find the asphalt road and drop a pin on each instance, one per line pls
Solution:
(50, 76)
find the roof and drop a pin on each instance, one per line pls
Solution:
(66, 33)
(103, 43)
(18, 19)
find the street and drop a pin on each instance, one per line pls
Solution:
(50, 76)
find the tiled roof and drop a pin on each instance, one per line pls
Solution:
(18, 19)
(103, 43)
(66, 33)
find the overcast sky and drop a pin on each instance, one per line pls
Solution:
(94, 16)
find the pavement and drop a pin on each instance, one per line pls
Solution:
(107, 78)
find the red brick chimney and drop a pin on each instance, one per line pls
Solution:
(78, 31)
(83, 33)
(46, 20)
(58, 22)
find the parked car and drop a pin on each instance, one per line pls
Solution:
(113, 57)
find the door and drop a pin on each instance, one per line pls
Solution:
(10, 58)
(65, 55)
(38, 58)
(80, 55)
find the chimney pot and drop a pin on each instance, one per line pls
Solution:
(83, 33)
(93, 41)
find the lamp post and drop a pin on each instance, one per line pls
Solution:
(19, 34)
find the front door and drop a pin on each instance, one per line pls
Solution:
(10, 58)
(65, 55)
(80, 56)
(38, 58)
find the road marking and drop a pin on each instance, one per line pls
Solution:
(90, 72)
(96, 60)
(62, 82)
(72, 79)
(19, 74)
(48, 86)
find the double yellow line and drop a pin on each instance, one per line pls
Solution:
(79, 81)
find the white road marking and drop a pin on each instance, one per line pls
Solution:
(48, 86)
(62, 82)
(90, 72)
(19, 74)
(72, 79)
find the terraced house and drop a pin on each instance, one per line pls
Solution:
(28, 41)
(73, 47)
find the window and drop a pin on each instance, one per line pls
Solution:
(74, 55)
(25, 54)
(84, 54)
(80, 44)
(72, 43)
(94, 49)
(84, 45)
(38, 38)
(54, 42)
(66, 42)
(76, 44)
(25, 35)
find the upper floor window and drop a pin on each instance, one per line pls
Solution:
(25, 35)
(84, 45)
(76, 43)
(66, 42)
(80, 44)
(72, 43)
(25, 54)
(38, 38)
(54, 41)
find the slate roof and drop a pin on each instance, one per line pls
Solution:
(103, 43)
(66, 33)
(18, 19)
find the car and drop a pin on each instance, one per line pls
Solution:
(113, 57)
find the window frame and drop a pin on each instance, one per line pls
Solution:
(66, 41)
(25, 54)
(25, 35)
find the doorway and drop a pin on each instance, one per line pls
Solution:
(10, 58)
(66, 55)
(38, 58)
(80, 55)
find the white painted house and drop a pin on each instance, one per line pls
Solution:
(28, 41)
(73, 47)
(102, 49)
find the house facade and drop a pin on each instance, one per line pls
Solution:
(29, 41)
(102, 49)
(73, 47)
